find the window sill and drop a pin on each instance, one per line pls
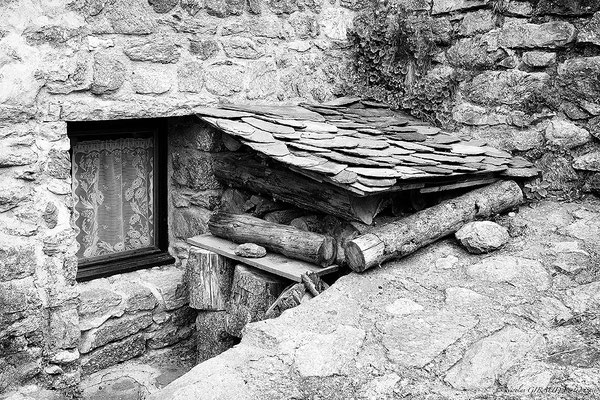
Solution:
(104, 269)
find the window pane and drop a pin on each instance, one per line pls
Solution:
(113, 190)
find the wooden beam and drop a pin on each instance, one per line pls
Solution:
(283, 239)
(406, 235)
(273, 263)
(248, 172)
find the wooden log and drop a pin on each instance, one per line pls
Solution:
(282, 239)
(406, 235)
(246, 171)
(210, 276)
(252, 293)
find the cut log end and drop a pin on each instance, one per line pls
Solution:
(327, 252)
(354, 257)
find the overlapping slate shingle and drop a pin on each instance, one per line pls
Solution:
(362, 146)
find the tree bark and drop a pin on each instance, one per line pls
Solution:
(283, 239)
(252, 293)
(210, 276)
(406, 235)
(245, 171)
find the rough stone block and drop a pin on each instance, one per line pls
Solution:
(194, 170)
(64, 328)
(479, 52)
(480, 21)
(152, 79)
(160, 49)
(539, 59)
(563, 133)
(98, 302)
(445, 6)
(225, 8)
(305, 25)
(225, 78)
(576, 79)
(212, 337)
(335, 23)
(190, 77)
(18, 295)
(588, 162)
(168, 284)
(238, 47)
(547, 35)
(511, 88)
(114, 329)
(520, 272)
(568, 7)
(17, 258)
(168, 335)
(113, 353)
(109, 73)
(193, 133)
(188, 222)
(590, 32)
(204, 48)
(128, 17)
(163, 6)
(136, 297)
(482, 236)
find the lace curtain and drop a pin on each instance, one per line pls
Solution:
(113, 189)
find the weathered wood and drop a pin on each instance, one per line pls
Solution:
(273, 263)
(283, 216)
(282, 239)
(210, 276)
(291, 297)
(244, 171)
(406, 235)
(252, 293)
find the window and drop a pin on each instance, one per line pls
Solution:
(119, 192)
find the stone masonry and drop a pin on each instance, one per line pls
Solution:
(66, 61)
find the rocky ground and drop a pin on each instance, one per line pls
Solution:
(517, 323)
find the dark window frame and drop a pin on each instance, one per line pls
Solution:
(135, 259)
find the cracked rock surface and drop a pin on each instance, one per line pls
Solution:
(442, 324)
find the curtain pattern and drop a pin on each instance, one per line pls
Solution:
(113, 190)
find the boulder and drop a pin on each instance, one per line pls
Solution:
(518, 34)
(250, 250)
(588, 162)
(491, 357)
(482, 236)
(565, 134)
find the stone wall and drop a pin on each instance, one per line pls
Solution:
(70, 60)
(526, 80)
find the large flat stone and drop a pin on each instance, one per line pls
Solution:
(98, 302)
(520, 272)
(588, 162)
(17, 258)
(114, 329)
(416, 339)
(161, 49)
(565, 134)
(168, 283)
(491, 357)
(113, 353)
(512, 88)
(328, 354)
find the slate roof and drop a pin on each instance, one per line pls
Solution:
(362, 146)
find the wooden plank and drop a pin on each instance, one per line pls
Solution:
(274, 263)
(459, 185)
